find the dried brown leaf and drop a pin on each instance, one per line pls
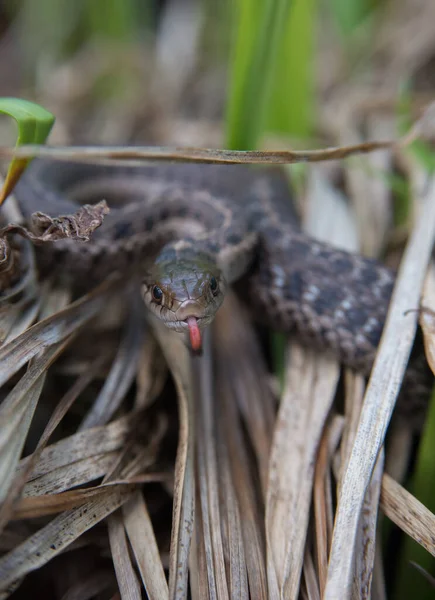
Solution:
(49, 541)
(243, 481)
(38, 506)
(81, 446)
(122, 371)
(208, 477)
(127, 581)
(366, 541)
(51, 330)
(44, 228)
(408, 513)
(140, 532)
(306, 402)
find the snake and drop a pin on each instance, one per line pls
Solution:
(187, 232)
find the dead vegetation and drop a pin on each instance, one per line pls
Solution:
(126, 466)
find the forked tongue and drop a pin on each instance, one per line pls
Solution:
(194, 334)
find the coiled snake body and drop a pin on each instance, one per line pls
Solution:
(189, 230)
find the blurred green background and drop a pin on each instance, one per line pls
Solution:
(254, 62)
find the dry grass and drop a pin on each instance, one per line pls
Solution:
(274, 489)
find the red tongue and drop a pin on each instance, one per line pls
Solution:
(194, 334)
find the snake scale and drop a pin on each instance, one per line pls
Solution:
(187, 231)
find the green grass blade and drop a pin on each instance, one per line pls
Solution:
(259, 33)
(349, 14)
(272, 81)
(291, 108)
(34, 125)
(113, 19)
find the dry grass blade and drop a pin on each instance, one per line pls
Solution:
(127, 580)
(245, 488)
(18, 408)
(323, 497)
(242, 363)
(48, 504)
(17, 319)
(50, 331)
(408, 513)
(355, 388)
(230, 551)
(309, 392)
(72, 474)
(208, 478)
(122, 372)
(10, 453)
(308, 396)
(380, 398)
(365, 546)
(310, 578)
(140, 532)
(65, 404)
(82, 445)
(197, 565)
(16, 413)
(151, 375)
(240, 379)
(49, 541)
(227, 519)
(136, 154)
(235, 550)
(177, 356)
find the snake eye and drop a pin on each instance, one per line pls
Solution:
(213, 285)
(157, 293)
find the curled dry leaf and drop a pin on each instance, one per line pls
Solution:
(43, 228)
(78, 226)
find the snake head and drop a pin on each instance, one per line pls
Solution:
(184, 294)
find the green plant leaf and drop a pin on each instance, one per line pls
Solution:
(34, 125)
(291, 106)
(260, 28)
(350, 14)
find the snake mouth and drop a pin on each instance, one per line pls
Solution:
(191, 325)
(182, 325)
